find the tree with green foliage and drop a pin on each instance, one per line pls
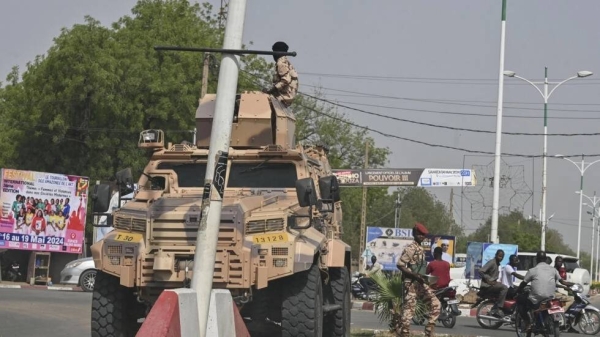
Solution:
(78, 109)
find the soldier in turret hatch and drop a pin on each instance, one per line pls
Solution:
(285, 79)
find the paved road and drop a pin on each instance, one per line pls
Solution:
(34, 313)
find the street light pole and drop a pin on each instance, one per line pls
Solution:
(595, 203)
(498, 153)
(546, 95)
(582, 170)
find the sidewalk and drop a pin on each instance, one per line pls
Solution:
(23, 285)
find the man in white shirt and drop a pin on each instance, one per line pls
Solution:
(445, 256)
(367, 282)
(508, 275)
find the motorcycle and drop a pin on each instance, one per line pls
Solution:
(449, 309)
(12, 272)
(581, 313)
(546, 319)
(358, 291)
(485, 302)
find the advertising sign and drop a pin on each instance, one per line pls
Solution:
(427, 177)
(479, 253)
(42, 211)
(387, 245)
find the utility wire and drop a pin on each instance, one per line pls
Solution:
(447, 127)
(464, 113)
(387, 135)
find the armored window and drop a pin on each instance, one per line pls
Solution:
(262, 175)
(188, 174)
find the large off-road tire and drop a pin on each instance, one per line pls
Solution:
(302, 305)
(337, 324)
(113, 308)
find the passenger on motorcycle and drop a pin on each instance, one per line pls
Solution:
(543, 278)
(439, 268)
(367, 282)
(489, 282)
(558, 265)
(509, 274)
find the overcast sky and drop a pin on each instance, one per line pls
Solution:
(424, 50)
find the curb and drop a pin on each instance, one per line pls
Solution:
(465, 309)
(55, 288)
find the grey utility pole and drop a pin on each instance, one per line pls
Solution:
(208, 231)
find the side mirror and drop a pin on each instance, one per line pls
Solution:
(306, 192)
(109, 221)
(330, 189)
(101, 198)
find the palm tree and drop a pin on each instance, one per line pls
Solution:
(388, 302)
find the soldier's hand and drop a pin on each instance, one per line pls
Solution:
(420, 279)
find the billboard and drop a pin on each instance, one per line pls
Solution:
(387, 245)
(42, 211)
(427, 177)
(479, 253)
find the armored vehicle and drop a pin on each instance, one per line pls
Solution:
(279, 250)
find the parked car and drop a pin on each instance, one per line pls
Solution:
(81, 272)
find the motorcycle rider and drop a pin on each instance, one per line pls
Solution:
(558, 265)
(489, 282)
(543, 278)
(439, 268)
(509, 274)
(366, 281)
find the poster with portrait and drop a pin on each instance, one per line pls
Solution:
(42, 211)
(387, 245)
(446, 242)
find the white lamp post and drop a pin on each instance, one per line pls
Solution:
(546, 95)
(582, 170)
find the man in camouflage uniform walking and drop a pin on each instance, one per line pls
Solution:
(285, 79)
(413, 265)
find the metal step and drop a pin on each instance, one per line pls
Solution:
(327, 308)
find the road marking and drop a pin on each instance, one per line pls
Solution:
(10, 286)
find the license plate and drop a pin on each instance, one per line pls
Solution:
(453, 302)
(270, 238)
(555, 310)
(127, 237)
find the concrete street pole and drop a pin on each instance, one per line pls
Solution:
(545, 160)
(208, 230)
(580, 206)
(498, 154)
(595, 276)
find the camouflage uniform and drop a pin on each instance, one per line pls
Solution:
(285, 81)
(413, 257)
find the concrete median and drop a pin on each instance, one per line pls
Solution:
(175, 314)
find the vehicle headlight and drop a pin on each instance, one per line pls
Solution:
(73, 264)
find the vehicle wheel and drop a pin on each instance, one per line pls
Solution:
(552, 328)
(87, 279)
(302, 305)
(338, 324)
(483, 309)
(450, 321)
(112, 308)
(589, 323)
(520, 326)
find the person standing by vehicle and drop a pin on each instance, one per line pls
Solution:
(543, 280)
(489, 282)
(366, 281)
(440, 268)
(413, 266)
(508, 275)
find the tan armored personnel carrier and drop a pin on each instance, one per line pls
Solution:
(279, 250)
